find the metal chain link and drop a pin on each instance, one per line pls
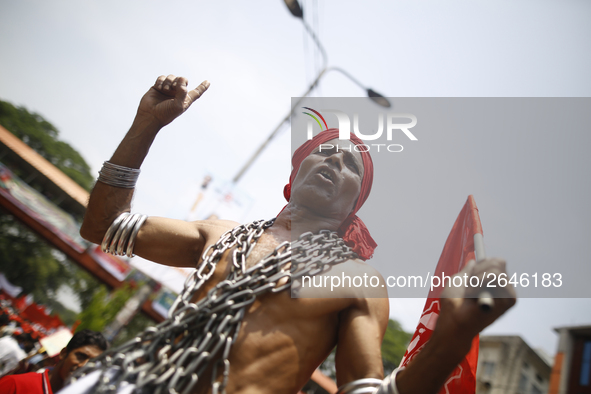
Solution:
(173, 356)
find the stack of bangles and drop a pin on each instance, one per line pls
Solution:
(120, 237)
(118, 176)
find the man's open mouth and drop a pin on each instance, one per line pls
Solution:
(327, 175)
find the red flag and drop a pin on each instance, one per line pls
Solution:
(457, 252)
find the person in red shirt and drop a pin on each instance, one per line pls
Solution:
(83, 346)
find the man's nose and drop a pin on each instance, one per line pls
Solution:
(80, 364)
(337, 159)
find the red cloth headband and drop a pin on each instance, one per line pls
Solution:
(352, 230)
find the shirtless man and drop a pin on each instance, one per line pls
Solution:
(283, 339)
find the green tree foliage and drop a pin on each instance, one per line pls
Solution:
(137, 325)
(42, 136)
(394, 345)
(31, 263)
(393, 348)
(67, 316)
(26, 259)
(103, 307)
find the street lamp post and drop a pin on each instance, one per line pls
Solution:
(379, 99)
(297, 11)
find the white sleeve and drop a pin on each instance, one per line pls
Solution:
(86, 385)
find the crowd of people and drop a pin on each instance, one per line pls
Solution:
(25, 366)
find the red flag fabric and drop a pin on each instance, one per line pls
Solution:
(457, 252)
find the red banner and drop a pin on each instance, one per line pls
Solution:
(457, 252)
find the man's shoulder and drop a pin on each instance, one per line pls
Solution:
(361, 268)
(372, 294)
(30, 382)
(29, 376)
(352, 278)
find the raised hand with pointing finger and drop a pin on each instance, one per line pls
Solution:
(169, 98)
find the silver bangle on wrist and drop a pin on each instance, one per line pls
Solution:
(388, 385)
(119, 239)
(118, 176)
(360, 386)
(372, 386)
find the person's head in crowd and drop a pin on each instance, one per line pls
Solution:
(4, 319)
(25, 340)
(83, 346)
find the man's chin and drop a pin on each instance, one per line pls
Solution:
(70, 373)
(321, 204)
(320, 193)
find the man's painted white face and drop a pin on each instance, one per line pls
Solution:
(329, 179)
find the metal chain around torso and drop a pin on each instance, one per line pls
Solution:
(172, 356)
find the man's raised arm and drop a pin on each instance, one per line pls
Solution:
(165, 241)
(460, 320)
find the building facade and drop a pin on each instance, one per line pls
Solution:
(572, 365)
(508, 365)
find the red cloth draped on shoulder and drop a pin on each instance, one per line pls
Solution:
(352, 230)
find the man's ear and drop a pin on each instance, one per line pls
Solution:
(63, 353)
